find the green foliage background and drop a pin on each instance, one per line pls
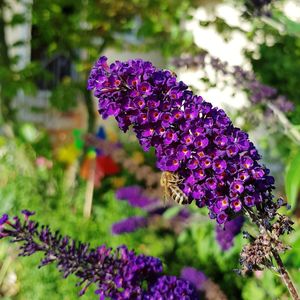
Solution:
(90, 28)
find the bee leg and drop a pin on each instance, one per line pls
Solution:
(180, 180)
(164, 200)
(166, 197)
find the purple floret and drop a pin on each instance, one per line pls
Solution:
(3, 219)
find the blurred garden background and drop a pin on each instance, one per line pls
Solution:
(82, 176)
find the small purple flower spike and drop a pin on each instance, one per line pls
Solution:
(118, 274)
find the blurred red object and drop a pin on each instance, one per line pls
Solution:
(105, 166)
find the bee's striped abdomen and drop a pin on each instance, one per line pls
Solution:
(178, 195)
(169, 181)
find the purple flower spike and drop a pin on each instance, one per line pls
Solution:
(118, 274)
(190, 136)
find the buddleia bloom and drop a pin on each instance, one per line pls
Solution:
(119, 274)
(218, 163)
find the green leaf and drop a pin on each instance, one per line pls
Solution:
(252, 291)
(292, 180)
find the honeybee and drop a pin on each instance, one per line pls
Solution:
(169, 181)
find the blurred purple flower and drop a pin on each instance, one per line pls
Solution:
(226, 234)
(134, 196)
(197, 278)
(130, 224)
(284, 104)
(258, 92)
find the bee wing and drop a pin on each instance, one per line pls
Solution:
(167, 195)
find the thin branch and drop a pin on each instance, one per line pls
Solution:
(285, 276)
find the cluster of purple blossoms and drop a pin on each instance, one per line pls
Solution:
(225, 235)
(119, 274)
(217, 162)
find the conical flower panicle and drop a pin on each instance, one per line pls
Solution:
(217, 161)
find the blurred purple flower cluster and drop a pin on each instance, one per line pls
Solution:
(134, 196)
(226, 234)
(203, 284)
(218, 163)
(119, 274)
(197, 278)
(130, 224)
(246, 80)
